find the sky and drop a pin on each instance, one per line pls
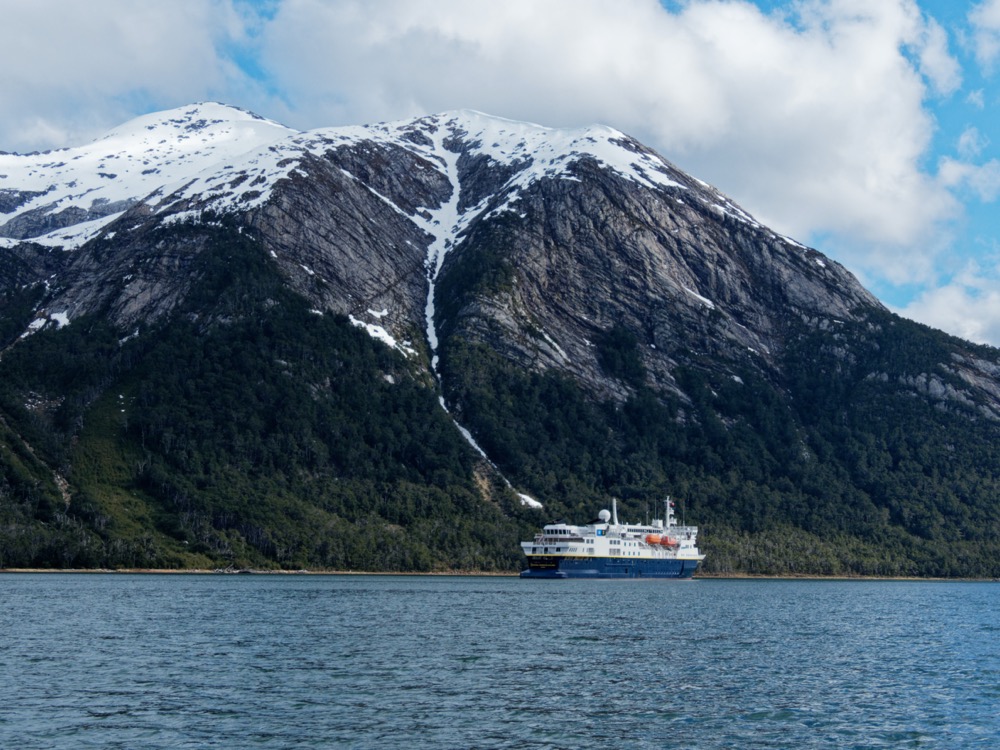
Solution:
(867, 129)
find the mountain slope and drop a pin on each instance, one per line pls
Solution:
(353, 347)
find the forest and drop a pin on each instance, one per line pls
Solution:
(248, 431)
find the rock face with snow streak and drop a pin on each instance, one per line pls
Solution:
(593, 230)
(674, 265)
(541, 239)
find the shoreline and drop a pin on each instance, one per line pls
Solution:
(251, 571)
(463, 574)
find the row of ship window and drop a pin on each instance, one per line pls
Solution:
(612, 542)
(590, 551)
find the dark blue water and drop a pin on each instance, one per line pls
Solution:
(130, 661)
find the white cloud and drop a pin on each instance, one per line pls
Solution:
(73, 69)
(971, 143)
(985, 21)
(968, 306)
(982, 179)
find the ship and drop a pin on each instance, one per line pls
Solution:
(606, 548)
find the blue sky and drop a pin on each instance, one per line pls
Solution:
(865, 128)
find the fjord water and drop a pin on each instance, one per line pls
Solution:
(179, 661)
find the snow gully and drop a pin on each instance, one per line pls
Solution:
(444, 225)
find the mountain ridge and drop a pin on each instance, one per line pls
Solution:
(594, 322)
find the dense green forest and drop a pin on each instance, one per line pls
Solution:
(836, 470)
(258, 434)
(249, 431)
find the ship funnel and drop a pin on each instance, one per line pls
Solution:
(614, 511)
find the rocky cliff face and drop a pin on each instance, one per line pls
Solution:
(691, 276)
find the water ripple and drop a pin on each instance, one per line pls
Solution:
(358, 662)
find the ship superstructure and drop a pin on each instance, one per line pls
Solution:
(606, 548)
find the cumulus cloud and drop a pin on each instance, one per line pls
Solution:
(968, 306)
(982, 179)
(985, 21)
(73, 70)
(971, 143)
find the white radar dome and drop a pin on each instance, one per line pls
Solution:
(604, 515)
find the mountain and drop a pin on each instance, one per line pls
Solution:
(404, 346)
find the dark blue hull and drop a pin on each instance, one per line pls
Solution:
(607, 567)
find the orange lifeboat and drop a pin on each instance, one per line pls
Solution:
(668, 541)
(653, 539)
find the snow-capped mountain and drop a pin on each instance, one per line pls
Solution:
(230, 159)
(434, 178)
(593, 319)
(65, 197)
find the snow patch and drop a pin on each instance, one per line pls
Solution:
(378, 332)
(60, 319)
(36, 325)
(727, 208)
(704, 300)
(72, 237)
(529, 501)
(555, 346)
(471, 441)
(139, 159)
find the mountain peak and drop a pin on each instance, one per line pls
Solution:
(213, 155)
(63, 198)
(204, 121)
